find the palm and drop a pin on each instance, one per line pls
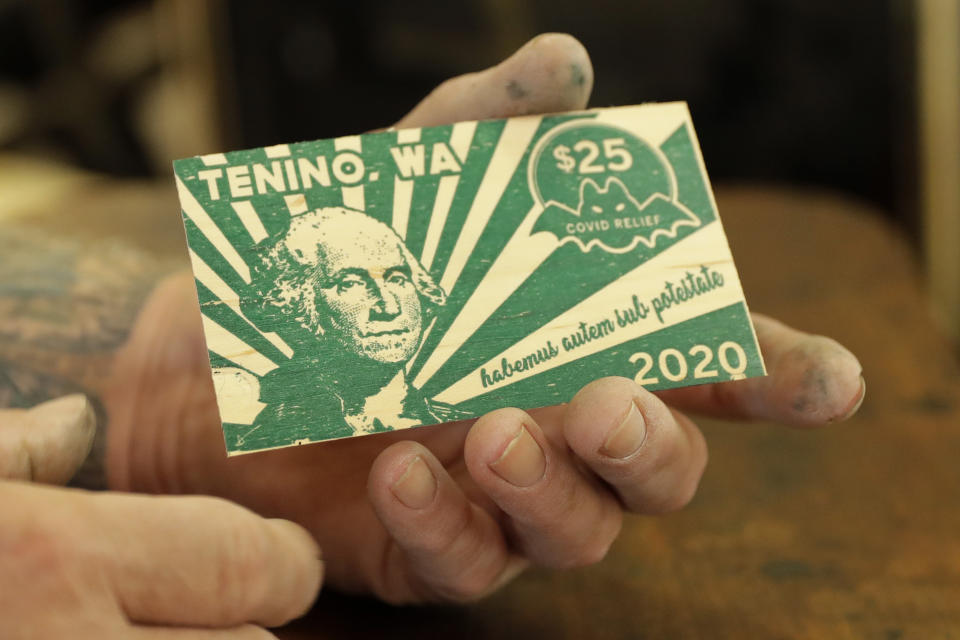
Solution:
(170, 397)
(321, 487)
(325, 489)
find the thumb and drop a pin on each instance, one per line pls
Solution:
(550, 73)
(47, 443)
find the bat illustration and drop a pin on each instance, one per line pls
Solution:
(611, 217)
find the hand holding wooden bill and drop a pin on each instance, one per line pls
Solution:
(422, 275)
(359, 297)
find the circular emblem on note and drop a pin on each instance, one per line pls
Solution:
(601, 185)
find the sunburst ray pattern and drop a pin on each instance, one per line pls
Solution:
(459, 198)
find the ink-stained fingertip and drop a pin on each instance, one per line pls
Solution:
(856, 402)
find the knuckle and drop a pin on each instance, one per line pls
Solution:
(595, 552)
(588, 553)
(50, 552)
(590, 541)
(441, 539)
(467, 587)
(598, 545)
(675, 500)
(456, 563)
(679, 496)
(45, 532)
(243, 562)
(40, 543)
(686, 469)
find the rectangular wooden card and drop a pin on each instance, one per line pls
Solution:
(405, 278)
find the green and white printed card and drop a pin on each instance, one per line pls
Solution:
(405, 278)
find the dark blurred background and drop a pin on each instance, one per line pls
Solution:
(801, 91)
(809, 93)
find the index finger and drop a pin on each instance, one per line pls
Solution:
(812, 380)
(201, 561)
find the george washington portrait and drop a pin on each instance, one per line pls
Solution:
(354, 303)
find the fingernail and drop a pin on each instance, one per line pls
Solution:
(522, 463)
(859, 401)
(417, 486)
(62, 431)
(626, 438)
(73, 412)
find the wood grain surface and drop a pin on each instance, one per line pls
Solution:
(852, 531)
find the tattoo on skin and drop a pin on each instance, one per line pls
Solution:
(66, 306)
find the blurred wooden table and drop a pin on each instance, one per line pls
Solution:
(848, 532)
